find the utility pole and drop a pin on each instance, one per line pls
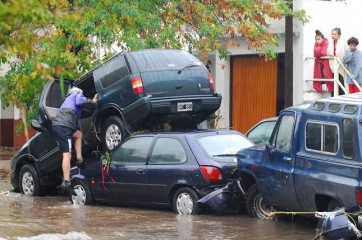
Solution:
(288, 65)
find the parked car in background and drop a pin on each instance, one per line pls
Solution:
(172, 169)
(137, 91)
(261, 132)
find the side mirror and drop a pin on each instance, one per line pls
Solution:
(269, 149)
(36, 125)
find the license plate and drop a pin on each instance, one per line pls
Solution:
(184, 106)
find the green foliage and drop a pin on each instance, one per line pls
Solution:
(43, 39)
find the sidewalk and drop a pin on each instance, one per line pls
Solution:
(6, 154)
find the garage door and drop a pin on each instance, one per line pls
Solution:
(253, 90)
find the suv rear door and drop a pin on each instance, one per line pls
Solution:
(50, 101)
(170, 73)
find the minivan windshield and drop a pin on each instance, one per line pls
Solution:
(223, 146)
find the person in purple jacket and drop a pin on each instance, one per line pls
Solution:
(66, 130)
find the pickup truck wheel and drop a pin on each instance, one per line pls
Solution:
(333, 205)
(113, 132)
(185, 202)
(255, 204)
(29, 181)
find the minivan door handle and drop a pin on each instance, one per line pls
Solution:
(140, 171)
(179, 86)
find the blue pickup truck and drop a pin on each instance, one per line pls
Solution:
(312, 161)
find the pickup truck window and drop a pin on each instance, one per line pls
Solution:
(283, 139)
(322, 137)
(348, 136)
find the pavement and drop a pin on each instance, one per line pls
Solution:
(6, 154)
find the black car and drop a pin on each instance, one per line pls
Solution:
(137, 91)
(173, 169)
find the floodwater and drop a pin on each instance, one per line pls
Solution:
(54, 217)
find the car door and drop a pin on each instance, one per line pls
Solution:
(45, 148)
(277, 177)
(125, 180)
(50, 101)
(169, 164)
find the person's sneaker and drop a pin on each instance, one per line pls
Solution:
(68, 187)
(80, 162)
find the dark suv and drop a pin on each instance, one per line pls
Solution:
(141, 90)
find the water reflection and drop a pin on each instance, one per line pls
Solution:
(54, 217)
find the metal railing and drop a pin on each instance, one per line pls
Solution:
(336, 64)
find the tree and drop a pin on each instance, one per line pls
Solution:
(42, 39)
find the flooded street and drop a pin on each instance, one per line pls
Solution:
(54, 217)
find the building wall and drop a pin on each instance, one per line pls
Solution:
(324, 16)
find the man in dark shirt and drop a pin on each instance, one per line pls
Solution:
(65, 127)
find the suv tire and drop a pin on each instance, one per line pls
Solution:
(29, 183)
(113, 132)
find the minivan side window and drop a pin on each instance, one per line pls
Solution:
(115, 70)
(134, 151)
(283, 140)
(168, 151)
(321, 137)
(348, 136)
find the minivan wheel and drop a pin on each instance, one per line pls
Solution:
(255, 204)
(185, 202)
(84, 196)
(29, 181)
(113, 132)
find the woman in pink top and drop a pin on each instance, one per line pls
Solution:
(321, 66)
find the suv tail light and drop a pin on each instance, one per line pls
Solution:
(137, 85)
(211, 173)
(359, 197)
(212, 85)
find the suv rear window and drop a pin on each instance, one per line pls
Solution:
(114, 70)
(217, 145)
(163, 60)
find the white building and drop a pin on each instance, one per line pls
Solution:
(253, 89)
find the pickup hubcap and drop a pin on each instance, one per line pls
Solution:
(113, 136)
(28, 183)
(185, 204)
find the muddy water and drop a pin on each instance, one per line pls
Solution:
(54, 217)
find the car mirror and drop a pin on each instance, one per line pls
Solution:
(269, 149)
(36, 125)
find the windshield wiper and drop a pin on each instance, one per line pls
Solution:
(230, 155)
(189, 66)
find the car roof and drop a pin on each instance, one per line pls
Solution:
(190, 132)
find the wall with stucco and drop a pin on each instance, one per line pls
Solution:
(324, 16)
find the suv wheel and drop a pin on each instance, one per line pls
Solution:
(28, 181)
(255, 204)
(185, 202)
(113, 132)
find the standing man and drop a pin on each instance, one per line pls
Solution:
(66, 130)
